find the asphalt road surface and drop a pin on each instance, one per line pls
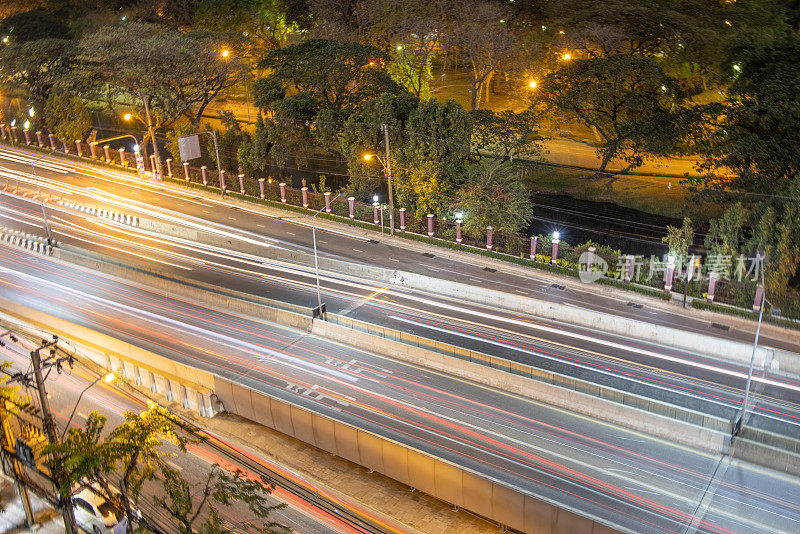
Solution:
(624, 478)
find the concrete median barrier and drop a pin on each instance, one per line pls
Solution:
(707, 345)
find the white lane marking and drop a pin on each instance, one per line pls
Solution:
(358, 250)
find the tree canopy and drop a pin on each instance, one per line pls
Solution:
(335, 75)
(629, 100)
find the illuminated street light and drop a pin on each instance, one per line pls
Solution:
(556, 236)
(459, 216)
(226, 53)
(108, 378)
(127, 116)
(136, 148)
(26, 124)
(532, 84)
(31, 112)
(375, 199)
(566, 57)
(368, 156)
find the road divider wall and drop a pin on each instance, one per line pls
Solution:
(705, 344)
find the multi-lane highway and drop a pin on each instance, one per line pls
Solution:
(682, 378)
(302, 515)
(626, 479)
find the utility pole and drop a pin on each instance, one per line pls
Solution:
(52, 435)
(385, 128)
(146, 103)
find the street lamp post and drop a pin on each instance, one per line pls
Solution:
(146, 103)
(314, 239)
(108, 378)
(387, 169)
(737, 423)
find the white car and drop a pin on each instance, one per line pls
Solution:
(95, 515)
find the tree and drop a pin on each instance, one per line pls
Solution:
(38, 67)
(483, 41)
(67, 117)
(749, 142)
(335, 75)
(362, 135)
(186, 504)
(178, 73)
(678, 240)
(726, 235)
(505, 133)
(628, 99)
(131, 454)
(434, 155)
(33, 25)
(493, 196)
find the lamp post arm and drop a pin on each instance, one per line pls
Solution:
(66, 427)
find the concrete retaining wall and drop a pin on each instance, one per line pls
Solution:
(435, 477)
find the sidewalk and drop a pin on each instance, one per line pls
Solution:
(12, 516)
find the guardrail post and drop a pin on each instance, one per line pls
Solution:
(554, 254)
(52, 139)
(13, 134)
(488, 238)
(327, 195)
(107, 153)
(351, 207)
(402, 219)
(458, 231)
(222, 184)
(375, 207)
(78, 148)
(430, 225)
(27, 136)
(152, 164)
(241, 183)
(712, 285)
(66, 146)
(169, 167)
(282, 186)
(39, 138)
(261, 192)
(122, 160)
(304, 192)
(186, 171)
(3, 130)
(534, 245)
(204, 173)
(93, 150)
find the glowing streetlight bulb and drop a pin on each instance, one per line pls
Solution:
(532, 84)
(127, 116)
(566, 57)
(375, 199)
(136, 148)
(226, 53)
(368, 157)
(459, 215)
(31, 112)
(109, 377)
(556, 236)
(27, 124)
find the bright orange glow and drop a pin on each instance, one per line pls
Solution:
(566, 57)
(226, 53)
(532, 84)
(109, 377)
(127, 116)
(368, 156)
